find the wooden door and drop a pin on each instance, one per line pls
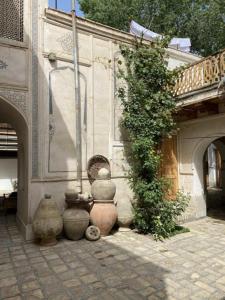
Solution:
(169, 165)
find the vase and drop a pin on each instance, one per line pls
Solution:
(125, 213)
(104, 216)
(75, 218)
(103, 188)
(47, 222)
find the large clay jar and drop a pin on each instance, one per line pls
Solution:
(75, 218)
(47, 222)
(103, 188)
(125, 213)
(104, 216)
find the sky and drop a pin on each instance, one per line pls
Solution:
(65, 5)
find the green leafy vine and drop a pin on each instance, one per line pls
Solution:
(148, 107)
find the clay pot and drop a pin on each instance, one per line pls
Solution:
(92, 233)
(124, 222)
(75, 218)
(47, 222)
(103, 188)
(125, 214)
(104, 216)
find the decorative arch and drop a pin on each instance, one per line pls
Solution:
(54, 118)
(11, 114)
(198, 189)
(17, 100)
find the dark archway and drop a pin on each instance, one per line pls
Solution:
(11, 115)
(214, 177)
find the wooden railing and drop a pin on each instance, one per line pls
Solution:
(204, 73)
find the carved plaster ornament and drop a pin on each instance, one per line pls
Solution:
(51, 126)
(66, 42)
(18, 99)
(3, 65)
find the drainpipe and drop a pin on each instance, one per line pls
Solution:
(77, 96)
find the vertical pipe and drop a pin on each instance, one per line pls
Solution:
(77, 97)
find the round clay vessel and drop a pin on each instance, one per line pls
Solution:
(75, 221)
(47, 222)
(125, 220)
(104, 216)
(92, 233)
(103, 188)
(125, 213)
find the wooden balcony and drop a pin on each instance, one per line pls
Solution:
(205, 73)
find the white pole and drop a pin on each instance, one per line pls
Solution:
(77, 97)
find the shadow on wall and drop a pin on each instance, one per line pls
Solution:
(58, 133)
(60, 128)
(46, 137)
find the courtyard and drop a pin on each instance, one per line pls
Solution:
(125, 265)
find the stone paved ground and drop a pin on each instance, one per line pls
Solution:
(122, 266)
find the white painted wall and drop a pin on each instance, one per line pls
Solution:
(8, 174)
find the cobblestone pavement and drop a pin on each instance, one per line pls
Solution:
(121, 266)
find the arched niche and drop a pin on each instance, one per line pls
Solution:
(199, 186)
(11, 115)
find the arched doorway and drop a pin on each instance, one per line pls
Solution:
(214, 177)
(15, 120)
(8, 168)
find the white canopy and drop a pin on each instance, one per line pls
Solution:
(183, 44)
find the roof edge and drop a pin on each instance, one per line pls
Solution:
(110, 32)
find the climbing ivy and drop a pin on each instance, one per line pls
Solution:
(148, 107)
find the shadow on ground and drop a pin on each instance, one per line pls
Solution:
(110, 268)
(217, 214)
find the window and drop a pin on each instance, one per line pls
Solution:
(11, 19)
(63, 5)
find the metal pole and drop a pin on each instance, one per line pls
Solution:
(77, 97)
(56, 4)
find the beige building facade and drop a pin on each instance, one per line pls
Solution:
(200, 139)
(37, 99)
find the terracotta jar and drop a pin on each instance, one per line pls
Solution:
(47, 222)
(75, 218)
(103, 188)
(104, 216)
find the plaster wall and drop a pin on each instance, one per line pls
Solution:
(101, 110)
(194, 138)
(16, 106)
(37, 98)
